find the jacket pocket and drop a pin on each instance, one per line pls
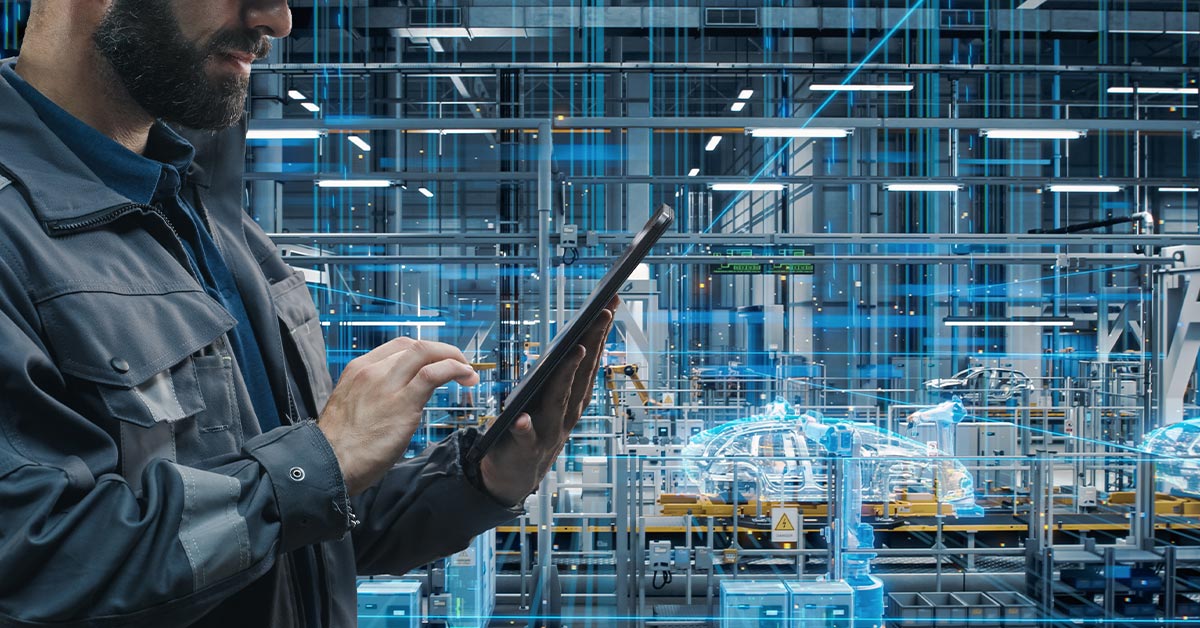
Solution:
(152, 368)
(303, 338)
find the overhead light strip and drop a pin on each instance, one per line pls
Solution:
(360, 142)
(747, 187)
(1184, 91)
(425, 192)
(712, 143)
(738, 106)
(283, 134)
(1090, 188)
(354, 183)
(922, 187)
(1016, 321)
(1033, 134)
(809, 132)
(1182, 190)
(835, 87)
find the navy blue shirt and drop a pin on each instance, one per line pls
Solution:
(157, 179)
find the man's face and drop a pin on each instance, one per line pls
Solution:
(197, 78)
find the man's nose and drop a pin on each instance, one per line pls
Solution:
(272, 17)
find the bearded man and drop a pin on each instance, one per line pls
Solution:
(172, 449)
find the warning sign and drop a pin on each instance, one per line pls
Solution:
(785, 523)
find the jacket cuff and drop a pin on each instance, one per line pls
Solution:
(310, 491)
(474, 475)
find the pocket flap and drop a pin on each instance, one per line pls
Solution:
(124, 340)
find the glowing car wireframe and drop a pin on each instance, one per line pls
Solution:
(772, 459)
(1178, 465)
(983, 385)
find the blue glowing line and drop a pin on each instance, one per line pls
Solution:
(372, 297)
(973, 289)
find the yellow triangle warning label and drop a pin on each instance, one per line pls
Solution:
(785, 524)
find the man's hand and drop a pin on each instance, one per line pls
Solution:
(376, 407)
(516, 464)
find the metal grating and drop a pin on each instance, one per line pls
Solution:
(435, 18)
(730, 17)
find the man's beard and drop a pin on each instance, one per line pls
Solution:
(165, 74)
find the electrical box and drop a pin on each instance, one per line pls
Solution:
(660, 555)
(389, 604)
(471, 583)
(814, 604)
(569, 237)
(753, 603)
(704, 559)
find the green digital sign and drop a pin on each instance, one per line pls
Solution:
(759, 268)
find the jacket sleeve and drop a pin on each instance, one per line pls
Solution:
(80, 546)
(424, 508)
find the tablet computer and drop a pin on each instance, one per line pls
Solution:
(535, 379)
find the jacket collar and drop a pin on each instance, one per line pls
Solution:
(60, 188)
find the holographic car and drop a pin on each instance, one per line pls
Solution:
(1177, 466)
(768, 457)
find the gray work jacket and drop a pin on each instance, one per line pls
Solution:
(136, 487)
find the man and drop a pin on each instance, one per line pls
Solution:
(161, 364)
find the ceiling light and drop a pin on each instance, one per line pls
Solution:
(1015, 321)
(746, 94)
(436, 45)
(799, 132)
(746, 187)
(1031, 4)
(1061, 187)
(1154, 90)
(1032, 134)
(712, 143)
(283, 134)
(425, 192)
(835, 87)
(388, 323)
(693, 172)
(737, 106)
(360, 142)
(310, 106)
(296, 95)
(454, 131)
(1184, 190)
(354, 183)
(922, 187)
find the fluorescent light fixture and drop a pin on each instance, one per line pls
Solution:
(1183, 190)
(436, 45)
(454, 131)
(1031, 4)
(1032, 134)
(1181, 32)
(295, 94)
(360, 142)
(354, 183)
(693, 172)
(737, 106)
(425, 192)
(388, 323)
(1097, 188)
(310, 106)
(283, 134)
(746, 94)
(799, 132)
(922, 187)
(1015, 321)
(835, 87)
(746, 187)
(1155, 90)
(712, 143)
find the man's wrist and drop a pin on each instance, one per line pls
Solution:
(473, 470)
